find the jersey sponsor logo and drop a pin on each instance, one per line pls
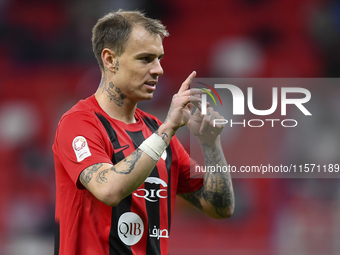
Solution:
(152, 195)
(81, 148)
(130, 228)
(124, 147)
(159, 233)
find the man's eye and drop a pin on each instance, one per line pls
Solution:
(147, 59)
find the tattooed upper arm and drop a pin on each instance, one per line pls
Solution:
(87, 174)
(112, 183)
(100, 172)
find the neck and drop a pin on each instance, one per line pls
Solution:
(115, 103)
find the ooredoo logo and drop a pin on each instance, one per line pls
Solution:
(130, 228)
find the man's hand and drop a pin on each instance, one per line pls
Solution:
(179, 112)
(203, 126)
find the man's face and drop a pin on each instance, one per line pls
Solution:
(139, 66)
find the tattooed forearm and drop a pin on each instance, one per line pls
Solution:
(212, 155)
(114, 94)
(163, 135)
(217, 188)
(194, 198)
(87, 174)
(218, 191)
(129, 163)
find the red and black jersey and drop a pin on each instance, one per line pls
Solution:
(140, 223)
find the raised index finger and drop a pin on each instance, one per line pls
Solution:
(186, 83)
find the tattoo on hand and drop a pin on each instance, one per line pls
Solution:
(115, 95)
(87, 174)
(129, 164)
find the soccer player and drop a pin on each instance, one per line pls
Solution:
(118, 169)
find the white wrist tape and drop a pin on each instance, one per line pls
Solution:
(154, 146)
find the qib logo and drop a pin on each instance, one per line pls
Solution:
(130, 228)
(239, 102)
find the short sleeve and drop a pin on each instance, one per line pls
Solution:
(80, 143)
(186, 183)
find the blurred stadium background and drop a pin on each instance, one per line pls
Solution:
(47, 65)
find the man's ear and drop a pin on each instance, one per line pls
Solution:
(108, 58)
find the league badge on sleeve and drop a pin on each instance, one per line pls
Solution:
(81, 148)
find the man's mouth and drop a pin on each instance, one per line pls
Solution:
(151, 85)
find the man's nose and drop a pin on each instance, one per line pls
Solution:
(156, 68)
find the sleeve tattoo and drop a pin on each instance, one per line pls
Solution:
(129, 163)
(128, 166)
(87, 174)
(217, 188)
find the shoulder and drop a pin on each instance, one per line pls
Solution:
(83, 105)
(80, 119)
(81, 110)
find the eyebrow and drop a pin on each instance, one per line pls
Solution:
(144, 54)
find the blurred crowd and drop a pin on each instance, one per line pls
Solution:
(47, 65)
